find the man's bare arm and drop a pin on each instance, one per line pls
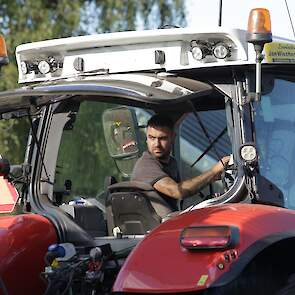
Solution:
(188, 187)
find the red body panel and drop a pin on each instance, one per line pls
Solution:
(160, 264)
(24, 240)
(8, 196)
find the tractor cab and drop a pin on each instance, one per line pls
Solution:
(87, 101)
(97, 119)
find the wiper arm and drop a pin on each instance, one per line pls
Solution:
(209, 147)
(205, 132)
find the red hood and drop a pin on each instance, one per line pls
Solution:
(160, 264)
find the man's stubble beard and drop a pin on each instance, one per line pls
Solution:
(163, 158)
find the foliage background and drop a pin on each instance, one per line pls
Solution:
(24, 21)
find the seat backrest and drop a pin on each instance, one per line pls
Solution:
(89, 217)
(134, 207)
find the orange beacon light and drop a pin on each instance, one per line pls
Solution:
(3, 52)
(259, 27)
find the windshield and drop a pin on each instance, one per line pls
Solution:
(275, 133)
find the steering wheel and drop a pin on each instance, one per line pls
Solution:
(227, 178)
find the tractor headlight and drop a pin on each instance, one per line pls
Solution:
(221, 51)
(44, 67)
(24, 68)
(199, 51)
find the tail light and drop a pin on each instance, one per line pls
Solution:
(209, 237)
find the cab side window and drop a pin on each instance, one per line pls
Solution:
(83, 157)
(193, 142)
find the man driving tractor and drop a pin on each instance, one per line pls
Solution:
(158, 168)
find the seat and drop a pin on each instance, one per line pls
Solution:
(89, 217)
(134, 207)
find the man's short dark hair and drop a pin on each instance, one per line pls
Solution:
(160, 120)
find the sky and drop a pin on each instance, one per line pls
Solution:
(235, 14)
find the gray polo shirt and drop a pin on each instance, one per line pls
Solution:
(149, 169)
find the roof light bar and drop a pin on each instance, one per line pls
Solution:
(209, 237)
(44, 66)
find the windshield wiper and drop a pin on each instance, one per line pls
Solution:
(209, 147)
(206, 133)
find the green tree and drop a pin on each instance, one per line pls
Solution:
(112, 15)
(23, 21)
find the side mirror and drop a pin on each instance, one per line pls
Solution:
(4, 167)
(121, 136)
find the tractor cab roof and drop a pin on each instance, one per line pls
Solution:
(152, 69)
(125, 52)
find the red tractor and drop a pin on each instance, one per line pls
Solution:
(85, 228)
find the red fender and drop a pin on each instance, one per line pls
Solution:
(24, 240)
(160, 264)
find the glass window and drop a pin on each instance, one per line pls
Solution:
(275, 122)
(193, 142)
(83, 156)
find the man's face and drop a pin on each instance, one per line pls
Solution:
(160, 141)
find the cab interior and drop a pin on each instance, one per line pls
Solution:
(99, 146)
(90, 142)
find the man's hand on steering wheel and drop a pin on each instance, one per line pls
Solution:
(219, 167)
